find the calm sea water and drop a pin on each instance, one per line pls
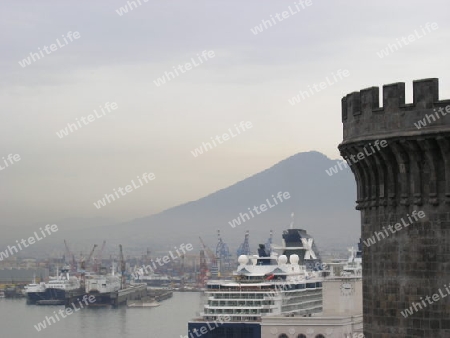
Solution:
(168, 320)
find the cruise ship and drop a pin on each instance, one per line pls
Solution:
(342, 315)
(267, 284)
(53, 292)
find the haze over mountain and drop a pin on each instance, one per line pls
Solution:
(322, 204)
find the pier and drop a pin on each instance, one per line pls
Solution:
(114, 299)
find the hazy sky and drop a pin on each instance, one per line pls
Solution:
(154, 129)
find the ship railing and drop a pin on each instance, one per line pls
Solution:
(243, 287)
(233, 307)
(233, 318)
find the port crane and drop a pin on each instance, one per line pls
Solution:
(223, 254)
(121, 267)
(268, 245)
(98, 258)
(212, 258)
(181, 272)
(84, 262)
(244, 248)
(203, 273)
(70, 259)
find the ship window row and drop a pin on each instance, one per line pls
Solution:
(214, 308)
(262, 293)
(233, 311)
(315, 285)
(235, 288)
(238, 295)
(236, 319)
(235, 303)
(290, 287)
(238, 289)
(311, 285)
(221, 311)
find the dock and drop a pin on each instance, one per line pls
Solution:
(159, 294)
(113, 299)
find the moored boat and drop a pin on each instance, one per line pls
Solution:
(288, 283)
(52, 292)
(102, 283)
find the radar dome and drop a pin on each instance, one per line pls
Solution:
(243, 259)
(293, 259)
(282, 259)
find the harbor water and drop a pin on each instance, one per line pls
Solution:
(167, 320)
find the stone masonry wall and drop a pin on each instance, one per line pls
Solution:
(403, 193)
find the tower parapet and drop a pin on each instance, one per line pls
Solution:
(362, 115)
(411, 174)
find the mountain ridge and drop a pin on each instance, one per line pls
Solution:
(323, 205)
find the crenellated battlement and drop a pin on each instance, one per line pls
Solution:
(362, 114)
(400, 156)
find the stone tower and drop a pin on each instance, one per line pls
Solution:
(403, 192)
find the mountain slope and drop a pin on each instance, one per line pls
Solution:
(323, 205)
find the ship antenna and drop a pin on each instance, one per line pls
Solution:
(292, 221)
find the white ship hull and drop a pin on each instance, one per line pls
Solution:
(102, 284)
(265, 285)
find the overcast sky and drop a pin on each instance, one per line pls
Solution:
(251, 77)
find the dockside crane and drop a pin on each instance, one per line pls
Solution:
(203, 270)
(121, 267)
(212, 258)
(244, 248)
(84, 262)
(181, 272)
(98, 258)
(268, 245)
(70, 259)
(223, 254)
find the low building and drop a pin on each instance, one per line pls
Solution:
(341, 317)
